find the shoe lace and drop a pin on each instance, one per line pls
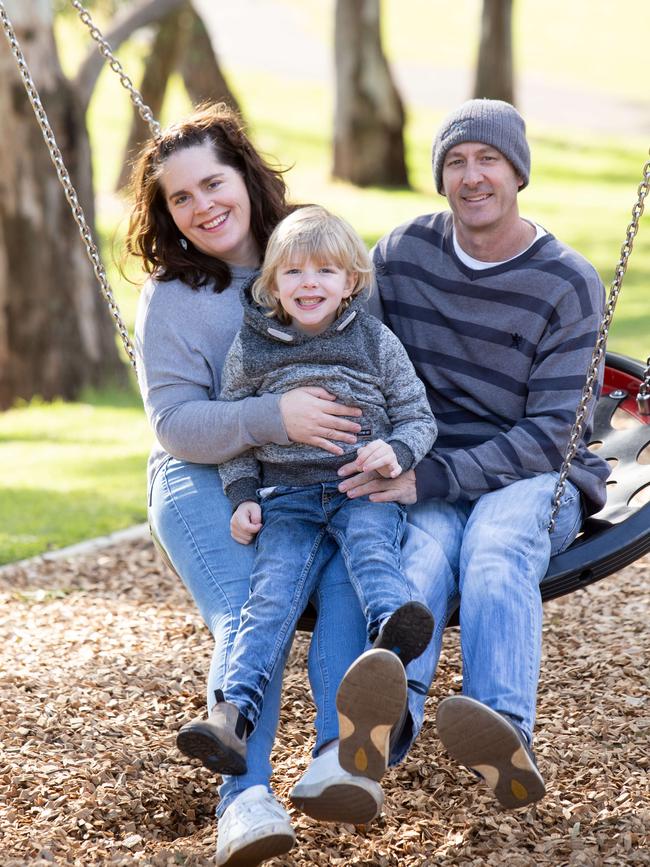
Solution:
(251, 808)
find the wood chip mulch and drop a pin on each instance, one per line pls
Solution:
(104, 658)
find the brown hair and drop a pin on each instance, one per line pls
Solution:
(312, 232)
(152, 234)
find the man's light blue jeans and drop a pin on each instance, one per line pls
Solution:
(190, 514)
(296, 522)
(489, 556)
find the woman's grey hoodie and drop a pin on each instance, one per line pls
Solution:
(358, 359)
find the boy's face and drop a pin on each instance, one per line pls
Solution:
(311, 292)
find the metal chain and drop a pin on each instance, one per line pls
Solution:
(136, 97)
(64, 177)
(599, 350)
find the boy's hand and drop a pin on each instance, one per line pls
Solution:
(380, 457)
(246, 522)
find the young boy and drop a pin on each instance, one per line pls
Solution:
(304, 324)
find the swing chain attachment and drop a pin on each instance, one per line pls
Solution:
(643, 399)
(105, 49)
(66, 183)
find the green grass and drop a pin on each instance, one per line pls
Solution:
(71, 470)
(74, 471)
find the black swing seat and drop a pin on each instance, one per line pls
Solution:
(620, 533)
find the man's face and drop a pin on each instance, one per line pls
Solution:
(481, 186)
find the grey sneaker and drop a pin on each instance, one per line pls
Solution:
(370, 701)
(254, 828)
(407, 632)
(220, 741)
(492, 746)
(328, 793)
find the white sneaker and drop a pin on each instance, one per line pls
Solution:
(328, 793)
(254, 828)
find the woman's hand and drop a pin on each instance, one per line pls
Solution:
(400, 490)
(246, 522)
(380, 457)
(312, 416)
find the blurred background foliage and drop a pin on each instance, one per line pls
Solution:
(75, 469)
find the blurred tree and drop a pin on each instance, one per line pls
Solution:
(369, 115)
(56, 335)
(181, 42)
(128, 18)
(494, 69)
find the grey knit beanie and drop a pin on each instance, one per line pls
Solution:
(491, 122)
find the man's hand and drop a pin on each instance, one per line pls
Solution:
(246, 522)
(312, 416)
(380, 457)
(400, 490)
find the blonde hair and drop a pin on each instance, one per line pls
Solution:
(312, 232)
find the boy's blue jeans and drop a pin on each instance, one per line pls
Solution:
(190, 514)
(493, 552)
(295, 523)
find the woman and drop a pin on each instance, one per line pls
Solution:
(205, 205)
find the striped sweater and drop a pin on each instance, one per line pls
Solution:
(503, 354)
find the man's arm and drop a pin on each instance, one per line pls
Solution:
(536, 443)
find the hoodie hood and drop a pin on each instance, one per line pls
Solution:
(255, 316)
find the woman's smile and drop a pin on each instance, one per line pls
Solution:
(209, 203)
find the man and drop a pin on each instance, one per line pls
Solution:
(500, 319)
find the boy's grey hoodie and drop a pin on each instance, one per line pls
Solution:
(358, 359)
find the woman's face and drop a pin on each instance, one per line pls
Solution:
(209, 203)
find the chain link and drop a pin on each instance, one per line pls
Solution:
(64, 177)
(599, 350)
(105, 49)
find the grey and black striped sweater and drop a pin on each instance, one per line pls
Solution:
(503, 354)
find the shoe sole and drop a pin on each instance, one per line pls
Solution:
(338, 802)
(407, 632)
(198, 741)
(481, 739)
(369, 701)
(261, 850)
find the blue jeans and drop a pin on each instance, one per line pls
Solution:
(488, 556)
(191, 516)
(296, 521)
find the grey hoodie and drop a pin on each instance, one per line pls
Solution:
(358, 359)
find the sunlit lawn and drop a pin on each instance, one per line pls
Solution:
(76, 471)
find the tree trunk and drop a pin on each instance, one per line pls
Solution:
(199, 65)
(160, 65)
(55, 333)
(494, 69)
(369, 115)
(183, 41)
(131, 17)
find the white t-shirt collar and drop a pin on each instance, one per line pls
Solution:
(479, 264)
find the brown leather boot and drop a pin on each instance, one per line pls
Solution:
(220, 741)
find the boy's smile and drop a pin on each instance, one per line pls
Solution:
(311, 293)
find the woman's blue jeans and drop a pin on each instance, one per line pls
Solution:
(493, 552)
(190, 515)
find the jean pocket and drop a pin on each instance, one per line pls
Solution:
(160, 467)
(569, 519)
